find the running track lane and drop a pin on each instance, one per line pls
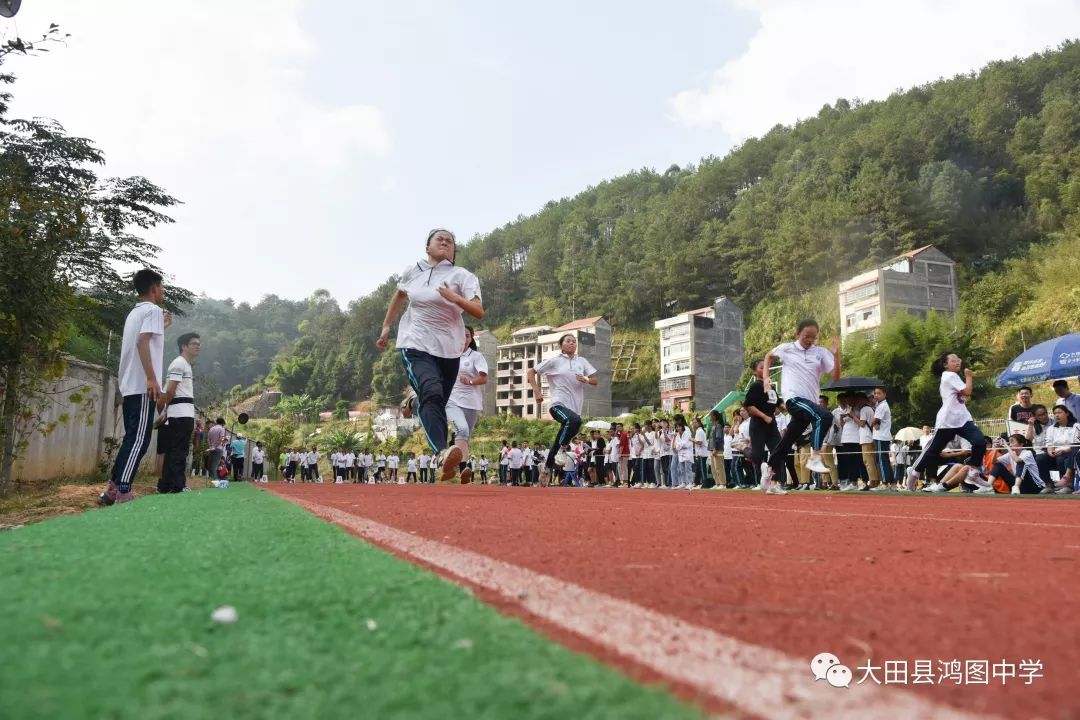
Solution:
(880, 577)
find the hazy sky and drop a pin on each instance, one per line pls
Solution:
(314, 142)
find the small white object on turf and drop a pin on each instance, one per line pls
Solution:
(226, 615)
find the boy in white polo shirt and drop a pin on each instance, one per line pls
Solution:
(178, 405)
(140, 367)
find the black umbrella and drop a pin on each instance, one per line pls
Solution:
(853, 382)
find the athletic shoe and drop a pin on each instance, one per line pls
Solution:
(879, 488)
(124, 497)
(902, 488)
(847, 487)
(984, 491)
(936, 488)
(408, 405)
(1047, 491)
(912, 480)
(108, 497)
(450, 464)
(1015, 489)
(775, 489)
(766, 477)
(974, 475)
(1060, 491)
(816, 464)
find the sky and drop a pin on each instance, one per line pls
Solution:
(315, 142)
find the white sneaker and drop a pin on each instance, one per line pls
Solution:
(775, 489)
(766, 477)
(984, 491)
(879, 488)
(912, 480)
(847, 487)
(816, 464)
(936, 488)
(1015, 489)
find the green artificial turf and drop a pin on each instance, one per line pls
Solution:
(107, 615)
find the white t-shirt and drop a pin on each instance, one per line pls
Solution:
(684, 445)
(380, 460)
(866, 432)
(563, 386)
(146, 317)
(424, 460)
(516, 458)
(729, 453)
(180, 372)
(527, 455)
(483, 464)
(701, 443)
(369, 460)
(637, 446)
(412, 465)
(350, 460)
(504, 456)
(849, 429)
(614, 450)
(648, 452)
(432, 323)
(1061, 437)
(953, 412)
(392, 461)
(469, 397)
(257, 456)
(782, 420)
(882, 412)
(312, 458)
(802, 369)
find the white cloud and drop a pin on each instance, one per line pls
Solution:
(156, 86)
(807, 53)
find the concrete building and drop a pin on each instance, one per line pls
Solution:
(915, 282)
(594, 344)
(701, 355)
(513, 360)
(488, 346)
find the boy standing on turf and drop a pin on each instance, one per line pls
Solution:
(178, 404)
(140, 367)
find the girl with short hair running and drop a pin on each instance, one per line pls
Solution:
(432, 333)
(567, 374)
(804, 362)
(953, 419)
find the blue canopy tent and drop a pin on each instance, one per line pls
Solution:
(1050, 360)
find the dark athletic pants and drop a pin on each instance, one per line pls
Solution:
(763, 436)
(138, 424)
(804, 413)
(175, 437)
(433, 380)
(569, 424)
(943, 436)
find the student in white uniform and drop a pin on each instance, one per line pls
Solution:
(953, 418)
(467, 399)
(567, 374)
(423, 462)
(392, 462)
(411, 469)
(258, 457)
(882, 435)
(432, 333)
(804, 362)
(178, 403)
(350, 465)
(141, 357)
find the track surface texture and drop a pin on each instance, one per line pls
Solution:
(880, 578)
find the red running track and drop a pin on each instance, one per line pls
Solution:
(878, 577)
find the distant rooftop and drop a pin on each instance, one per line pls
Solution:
(580, 324)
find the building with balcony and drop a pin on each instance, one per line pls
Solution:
(701, 356)
(513, 394)
(488, 346)
(594, 344)
(915, 282)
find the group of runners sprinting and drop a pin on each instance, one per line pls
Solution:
(446, 376)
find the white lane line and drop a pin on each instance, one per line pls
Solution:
(756, 679)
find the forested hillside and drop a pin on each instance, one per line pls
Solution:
(984, 166)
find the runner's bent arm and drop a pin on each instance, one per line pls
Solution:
(396, 303)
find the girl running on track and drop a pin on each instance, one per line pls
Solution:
(567, 374)
(467, 399)
(804, 362)
(953, 418)
(432, 333)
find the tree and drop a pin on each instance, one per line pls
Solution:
(388, 379)
(63, 231)
(299, 407)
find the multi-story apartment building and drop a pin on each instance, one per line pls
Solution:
(701, 355)
(915, 282)
(512, 392)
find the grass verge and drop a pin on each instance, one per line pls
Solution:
(108, 616)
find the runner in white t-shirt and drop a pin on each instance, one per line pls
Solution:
(466, 400)
(953, 418)
(804, 362)
(431, 334)
(567, 375)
